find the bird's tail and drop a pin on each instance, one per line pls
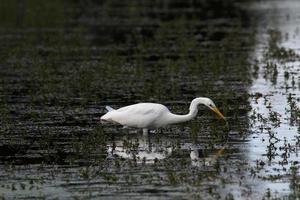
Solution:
(108, 108)
(107, 116)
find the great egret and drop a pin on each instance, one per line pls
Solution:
(153, 115)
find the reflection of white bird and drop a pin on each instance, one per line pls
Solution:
(142, 149)
(153, 115)
(142, 154)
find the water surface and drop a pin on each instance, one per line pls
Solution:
(62, 62)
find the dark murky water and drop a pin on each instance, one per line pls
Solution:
(63, 61)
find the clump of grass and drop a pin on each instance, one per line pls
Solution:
(271, 72)
(295, 182)
(172, 177)
(277, 52)
(92, 146)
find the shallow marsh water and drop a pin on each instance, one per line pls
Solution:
(274, 142)
(63, 61)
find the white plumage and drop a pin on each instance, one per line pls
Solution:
(153, 115)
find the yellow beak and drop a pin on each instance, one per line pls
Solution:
(216, 110)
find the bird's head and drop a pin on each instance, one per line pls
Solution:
(210, 104)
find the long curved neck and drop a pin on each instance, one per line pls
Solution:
(173, 118)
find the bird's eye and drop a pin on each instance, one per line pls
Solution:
(210, 105)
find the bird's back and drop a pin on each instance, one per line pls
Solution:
(141, 115)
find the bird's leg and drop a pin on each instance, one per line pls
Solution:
(145, 131)
(145, 139)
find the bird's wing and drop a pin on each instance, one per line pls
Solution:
(142, 109)
(138, 115)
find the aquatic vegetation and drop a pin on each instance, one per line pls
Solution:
(277, 52)
(294, 182)
(273, 115)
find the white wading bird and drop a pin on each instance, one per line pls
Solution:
(153, 115)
